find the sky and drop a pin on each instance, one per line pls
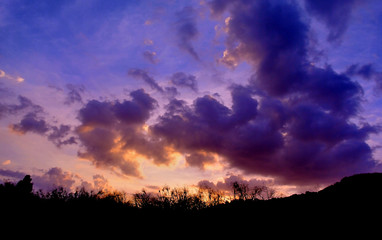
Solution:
(127, 95)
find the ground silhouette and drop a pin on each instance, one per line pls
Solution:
(353, 202)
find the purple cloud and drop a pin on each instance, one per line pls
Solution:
(291, 122)
(335, 14)
(150, 56)
(186, 30)
(112, 134)
(24, 104)
(74, 93)
(57, 177)
(367, 72)
(34, 122)
(182, 79)
(142, 74)
(31, 123)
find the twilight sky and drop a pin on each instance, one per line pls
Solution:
(140, 94)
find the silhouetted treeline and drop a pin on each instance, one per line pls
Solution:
(352, 199)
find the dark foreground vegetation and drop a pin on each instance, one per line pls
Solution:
(355, 200)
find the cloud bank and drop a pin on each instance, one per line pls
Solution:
(291, 121)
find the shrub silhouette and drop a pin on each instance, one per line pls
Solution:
(258, 205)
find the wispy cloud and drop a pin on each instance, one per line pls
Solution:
(14, 78)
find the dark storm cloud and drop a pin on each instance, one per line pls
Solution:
(186, 30)
(210, 127)
(273, 37)
(291, 122)
(309, 123)
(332, 91)
(335, 14)
(295, 143)
(182, 79)
(136, 111)
(112, 134)
(199, 159)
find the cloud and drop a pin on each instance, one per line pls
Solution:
(186, 30)
(169, 92)
(211, 127)
(292, 120)
(142, 74)
(113, 136)
(59, 133)
(6, 162)
(30, 123)
(150, 56)
(199, 159)
(57, 177)
(34, 122)
(273, 38)
(24, 104)
(299, 144)
(148, 42)
(74, 93)
(270, 36)
(367, 72)
(335, 14)
(53, 178)
(12, 174)
(218, 6)
(181, 79)
(227, 182)
(11, 77)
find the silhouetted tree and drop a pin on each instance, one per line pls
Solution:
(143, 199)
(25, 186)
(256, 192)
(240, 190)
(213, 197)
(268, 193)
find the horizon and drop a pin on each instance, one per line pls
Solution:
(129, 95)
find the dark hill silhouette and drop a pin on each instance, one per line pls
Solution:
(353, 202)
(367, 186)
